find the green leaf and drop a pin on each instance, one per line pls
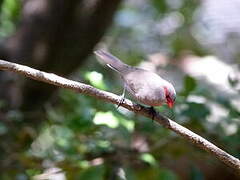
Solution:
(106, 118)
(148, 158)
(9, 13)
(160, 5)
(189, 85)
(32, 172)
(96, 79)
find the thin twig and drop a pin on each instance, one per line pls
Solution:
(56, 80)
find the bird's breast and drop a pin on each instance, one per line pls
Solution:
(146, 87)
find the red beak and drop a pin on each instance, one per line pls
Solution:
(170, 104)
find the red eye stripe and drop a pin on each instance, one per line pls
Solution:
(169, 102)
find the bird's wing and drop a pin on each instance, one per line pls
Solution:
(112, 61)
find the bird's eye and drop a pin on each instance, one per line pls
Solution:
(168, 97)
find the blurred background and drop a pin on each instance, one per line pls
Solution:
(52, 133)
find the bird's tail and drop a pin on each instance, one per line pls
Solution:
(112, 61)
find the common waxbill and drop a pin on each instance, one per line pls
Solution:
(146, 86)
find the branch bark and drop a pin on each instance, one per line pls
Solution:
(56, 80)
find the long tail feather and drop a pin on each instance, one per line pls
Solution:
(112, 61)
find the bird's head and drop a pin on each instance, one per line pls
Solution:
(170, 95)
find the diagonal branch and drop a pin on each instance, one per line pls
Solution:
(53, 79)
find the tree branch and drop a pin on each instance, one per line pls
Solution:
(53, 79)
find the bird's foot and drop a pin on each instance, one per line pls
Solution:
(121, 100)
(153, 112)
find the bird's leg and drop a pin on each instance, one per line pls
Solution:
(153, 112)
(122, 97)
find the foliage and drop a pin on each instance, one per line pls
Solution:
(9, 15)
(89, 139)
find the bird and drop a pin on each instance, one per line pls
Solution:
(145, 86)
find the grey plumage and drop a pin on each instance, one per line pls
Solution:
(146, 86)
